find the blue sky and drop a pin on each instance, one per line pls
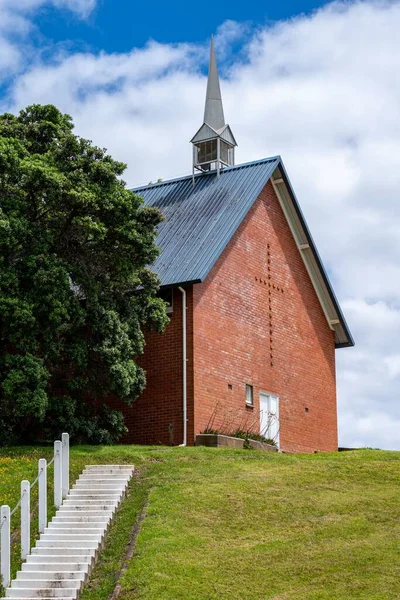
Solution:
(117, 25)
(316, 83)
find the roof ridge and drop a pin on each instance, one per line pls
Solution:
(224, 170)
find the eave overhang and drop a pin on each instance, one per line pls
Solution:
(312, 261)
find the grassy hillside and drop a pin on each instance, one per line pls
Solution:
(237, 524)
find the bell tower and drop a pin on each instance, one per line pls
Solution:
(214, 143)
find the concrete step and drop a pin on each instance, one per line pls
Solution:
(66, 536)
(102, 478)
(84, 509)
(98, 482)
(113, 467)
(104, 474)
(103, 487)
(59, 555)
(100, 518)
(108, 472)
(84, 504)
(52, 583)
(81, 526)
(64, 544)
(73, 564)
(98, 487)
(95, 501)
(83, 512)
(68, 551)
(85, 498)
(110, 506)
(88, 516)
(71, 529)
(40, 593)
(109, 476)
(98, 492)
(88, 491)
(51, 575)
(105, 478)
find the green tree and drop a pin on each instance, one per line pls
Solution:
(75, 287)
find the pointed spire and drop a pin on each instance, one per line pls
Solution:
(213, 144)
(213, 112)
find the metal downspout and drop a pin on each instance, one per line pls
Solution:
(184, 308)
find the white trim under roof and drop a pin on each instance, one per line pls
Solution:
(306, 252)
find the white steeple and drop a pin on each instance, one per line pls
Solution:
(213, 111)
(214, 143)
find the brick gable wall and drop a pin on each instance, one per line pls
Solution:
(257, 320)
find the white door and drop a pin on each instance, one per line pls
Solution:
(269, 416)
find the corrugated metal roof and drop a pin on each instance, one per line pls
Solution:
(200, 219)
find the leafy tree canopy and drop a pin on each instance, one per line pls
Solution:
(75, 287)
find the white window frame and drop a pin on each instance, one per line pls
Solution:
(249, 395)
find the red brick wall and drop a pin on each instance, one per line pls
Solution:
(257, 320)
(150, 416)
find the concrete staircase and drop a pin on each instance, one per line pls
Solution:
(66, 552)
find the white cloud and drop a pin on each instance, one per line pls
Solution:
(23, 7)
(9, 56)
(369, 377)
(15, 26)
(82, 7)
(393, 364)
(321, 90)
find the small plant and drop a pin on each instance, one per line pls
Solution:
(246, 444)
(241, 434)
(232, 422)
(253, 436)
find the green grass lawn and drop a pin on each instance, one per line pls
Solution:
(239, 524)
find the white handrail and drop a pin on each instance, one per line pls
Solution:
(65, 465)
(61, 489)
(5, 545)
(25, 518)
(57, 474)
(42, 494)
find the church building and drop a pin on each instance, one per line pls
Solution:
(254, 321)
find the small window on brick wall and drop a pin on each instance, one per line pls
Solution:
(249, 395)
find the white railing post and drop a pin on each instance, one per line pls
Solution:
(65, 465)
(25, 519)
(5, 545)
(42, 494)
(57, 474)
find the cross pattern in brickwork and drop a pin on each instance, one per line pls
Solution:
(272, 289)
